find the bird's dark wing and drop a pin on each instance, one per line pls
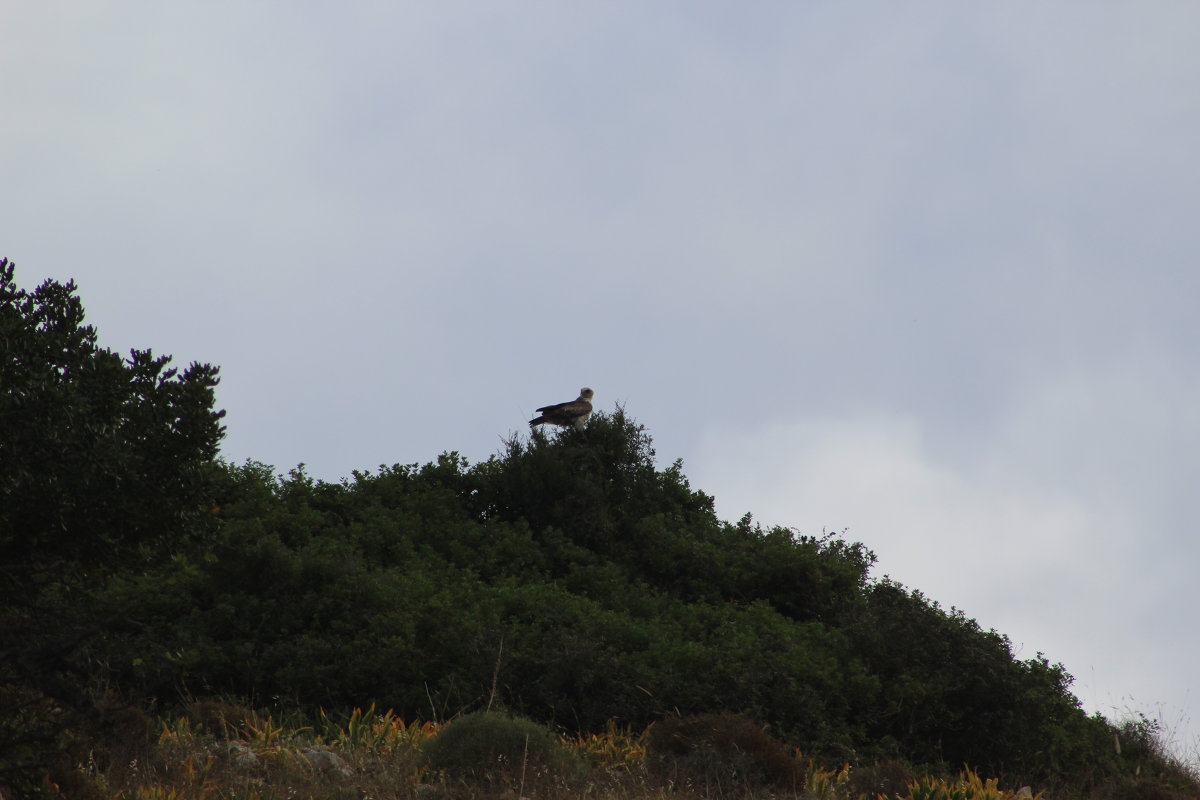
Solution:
(554, 409)
(572, 408)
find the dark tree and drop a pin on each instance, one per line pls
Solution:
(102, 459)
(106, 464)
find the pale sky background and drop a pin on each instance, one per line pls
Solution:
(924, 272)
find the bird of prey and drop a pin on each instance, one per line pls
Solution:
(574, 413)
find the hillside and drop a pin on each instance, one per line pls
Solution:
(568, 579)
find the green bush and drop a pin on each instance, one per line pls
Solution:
(723, 753)
(492, 746)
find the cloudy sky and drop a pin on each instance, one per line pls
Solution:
(922, 272)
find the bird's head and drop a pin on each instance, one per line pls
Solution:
(586, 394)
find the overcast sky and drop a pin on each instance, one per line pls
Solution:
(923, 272)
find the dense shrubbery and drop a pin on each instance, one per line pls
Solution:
(567, 578)
(577, 583)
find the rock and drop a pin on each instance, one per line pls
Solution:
(242, 756)
(323, 760)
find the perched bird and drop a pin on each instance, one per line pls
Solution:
(574, 413)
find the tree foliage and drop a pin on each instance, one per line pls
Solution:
(100, 456)
(106, 466)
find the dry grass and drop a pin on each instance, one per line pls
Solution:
(377, 756)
